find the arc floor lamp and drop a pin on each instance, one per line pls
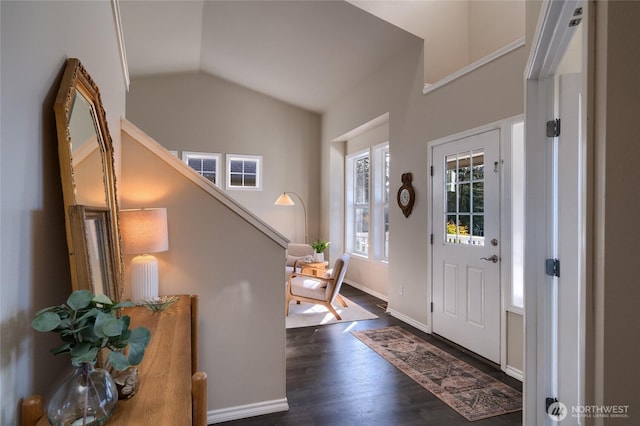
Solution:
(285, 200)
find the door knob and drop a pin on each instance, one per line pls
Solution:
(493, 258)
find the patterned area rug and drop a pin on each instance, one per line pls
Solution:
(472, 393)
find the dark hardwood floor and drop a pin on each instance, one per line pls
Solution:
(333, 379)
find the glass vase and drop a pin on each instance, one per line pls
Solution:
(87, 397)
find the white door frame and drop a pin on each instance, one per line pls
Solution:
(504, 126)
(549, 44)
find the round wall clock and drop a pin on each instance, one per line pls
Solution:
(406, 194)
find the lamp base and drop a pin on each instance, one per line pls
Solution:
(144, 278)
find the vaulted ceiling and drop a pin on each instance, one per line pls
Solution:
(309, 52)
(303, 52)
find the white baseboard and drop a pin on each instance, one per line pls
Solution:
(420, 326)
(249, 410)
(367, 290)
(513, 372)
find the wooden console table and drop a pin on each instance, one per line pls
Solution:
(170, 390)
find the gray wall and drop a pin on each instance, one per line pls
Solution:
(415, 119)
(37, 37)
(369, 275)
(200, 112)
(616, 292)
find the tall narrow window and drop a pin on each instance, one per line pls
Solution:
(244, 172)
(517, 215)
(380, 202)
(367, 206)
(361, 205)
(205, 163)
(386, 180)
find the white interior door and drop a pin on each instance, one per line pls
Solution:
(556, 184)
(466, 242)
(569, 203)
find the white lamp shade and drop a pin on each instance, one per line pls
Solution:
(284, 200)
(144, 231)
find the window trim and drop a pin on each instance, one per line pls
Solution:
(376, 204)
(243, 157)
(350, 195)
(217, 157)
(516, 206)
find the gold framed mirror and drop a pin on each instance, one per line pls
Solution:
(93, 247)
(85, 151)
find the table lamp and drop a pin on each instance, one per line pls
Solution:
(144, 231)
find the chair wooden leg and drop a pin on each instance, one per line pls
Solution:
(287, 299)
(333, 311)
(342, 302)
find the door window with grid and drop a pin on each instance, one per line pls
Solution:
(464, 184)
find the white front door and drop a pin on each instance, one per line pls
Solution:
(466, 242)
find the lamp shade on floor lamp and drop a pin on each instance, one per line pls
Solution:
(144, 231)
(285, 200)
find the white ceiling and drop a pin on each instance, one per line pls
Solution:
(303, 52)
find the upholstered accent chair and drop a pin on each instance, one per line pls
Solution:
(318, 290)
(297, 252)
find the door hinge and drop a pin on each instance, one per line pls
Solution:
(431, 171)
(552, 267)
(431, 239)
(576, 18)
(431, 306)
(553, 128)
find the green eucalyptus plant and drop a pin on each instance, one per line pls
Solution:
(320, 245)
(88, 323)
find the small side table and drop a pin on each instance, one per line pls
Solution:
(313, 268)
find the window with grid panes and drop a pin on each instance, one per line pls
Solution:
(244, 172)
(206, 164)
(367, 207)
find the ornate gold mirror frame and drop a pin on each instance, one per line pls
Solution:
(88, 178)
